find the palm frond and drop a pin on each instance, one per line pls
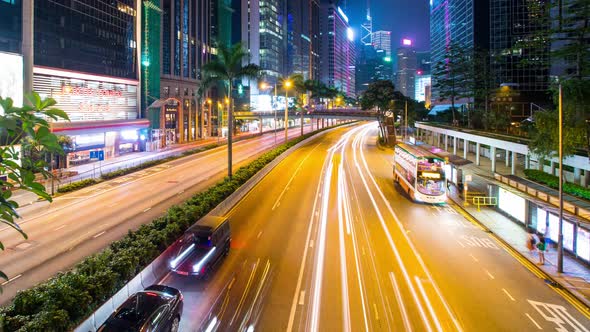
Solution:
(250, 71)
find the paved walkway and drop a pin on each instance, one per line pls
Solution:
(576, 276)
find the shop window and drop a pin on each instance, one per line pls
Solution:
(583, 244)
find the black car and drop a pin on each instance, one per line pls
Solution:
(155, 309)
(201, 247)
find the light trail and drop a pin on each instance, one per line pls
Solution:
(403, 233)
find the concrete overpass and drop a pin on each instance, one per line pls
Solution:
(336, 113)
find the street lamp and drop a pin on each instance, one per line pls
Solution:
(560, 236)
(287, 85)
(219, 121)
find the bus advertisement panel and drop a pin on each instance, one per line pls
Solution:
(420, 173)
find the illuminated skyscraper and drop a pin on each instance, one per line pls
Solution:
(338, 52)
(406, 68)
(382, 41)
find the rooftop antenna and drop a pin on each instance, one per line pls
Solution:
(367, 27)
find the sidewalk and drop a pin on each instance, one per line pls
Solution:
(576, 276)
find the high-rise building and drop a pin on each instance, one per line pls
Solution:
(186, 46)
(424, 63)
(11, 59)
(406, 68)
(524, 68)
(302, 37)
(337, 49)
(382, 41)
(371, 65)
(464, 23)
(86, 58)
(273, 42)
(422, 88)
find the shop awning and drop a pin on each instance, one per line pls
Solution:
(92, 127)
(442, 108)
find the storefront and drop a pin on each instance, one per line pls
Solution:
(103, 113)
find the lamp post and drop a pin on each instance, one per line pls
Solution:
(209, 102)
(560, 236)
(219, 121)
(288, 84)
(406, 121)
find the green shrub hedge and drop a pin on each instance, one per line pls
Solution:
(552, 181)
(65, 300)
(120, 172)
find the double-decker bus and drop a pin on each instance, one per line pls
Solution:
(420, 173)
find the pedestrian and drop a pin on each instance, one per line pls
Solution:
(530, 242)
(541, 247)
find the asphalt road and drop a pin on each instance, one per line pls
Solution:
(327, 242)
(78, 224)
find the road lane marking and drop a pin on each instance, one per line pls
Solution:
(343, 269)
(246, 290)
(558, 315)
(428, 304)
(489, 274)
(12, 279)
(302, 297)
(180, 192)
(260, 233)
(278, 201)
(475, 259)
(376, 312)
(303, 259)
(508, 294)
(534, 322)
(60, 227)
(461, 244)
(99, 234)
(146, 210)
(400, 226)
(311, 243)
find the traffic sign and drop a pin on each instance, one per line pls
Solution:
(98, 154)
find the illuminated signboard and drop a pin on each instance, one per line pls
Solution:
(512, 204)
(583, 244)
(431, 175)
(11, 79)
(407, 42)
(87, 97)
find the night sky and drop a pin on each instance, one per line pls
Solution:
(404, 18)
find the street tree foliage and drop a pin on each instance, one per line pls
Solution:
(16, 124)
(380, 96)
(545, 134)
(452, 76)
(568, 36)
(225, 68)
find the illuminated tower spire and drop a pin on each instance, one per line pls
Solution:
(367, 27)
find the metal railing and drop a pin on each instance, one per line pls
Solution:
(484, 201)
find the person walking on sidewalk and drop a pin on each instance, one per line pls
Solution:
(531, 241)
(541, 247)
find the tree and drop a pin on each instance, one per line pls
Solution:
(569, 37)
(16, 124)
(225, 68)
(380, 95)
(451, 76)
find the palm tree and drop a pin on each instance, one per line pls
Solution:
(225, 68)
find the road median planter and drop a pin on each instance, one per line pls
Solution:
(65, 300)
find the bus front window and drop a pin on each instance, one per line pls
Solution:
(431, 177)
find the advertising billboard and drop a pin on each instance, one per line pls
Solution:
(11, 80)
(512, 204)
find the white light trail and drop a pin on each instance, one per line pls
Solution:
(197, 267)
(182, 255)
(343, 270)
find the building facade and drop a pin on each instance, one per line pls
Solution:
(422, 88)
(86, 58)
(181, 115)
(337, 57)
(382, 41)
(464, 23)
(406, 70)
(514, 63)
(302, 35)
(371, 65)
(11, 59)
(273, 43)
